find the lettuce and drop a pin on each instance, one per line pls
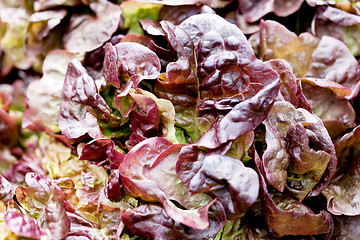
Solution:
(194, 119)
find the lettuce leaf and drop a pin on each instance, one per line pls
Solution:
(144, 219)
(223, 177)
(79, 36)
(300, 155)
(341, 194)
(79, 101)
(43, 198)
(138, 177)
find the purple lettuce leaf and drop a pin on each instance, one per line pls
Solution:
(144, 123)
(80, 35)
(107, 225)
(300, 155)
(326, 58)
(138, 179)
(327, 101)
(338, 23)
(226, 64)
(27, 163)
(42, 35)
(58, 160)
(80, 103)
(179, 84)
(225, 67)
(113, 188)
(144, 219)
(44, 198)
(44, 95)
(286, 216)
(244, 117)
(153, 117)
(333, 61)
(6, 190)
(22, 225)
(342, 192)
(255, 9)
(221, 176)
(129, 59)
(130, 62)
(278, 42)
(102, 152)
(290, 87)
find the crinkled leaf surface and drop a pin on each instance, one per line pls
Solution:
(286, 216)
(44, 198)
(224, 177)
(138, 180)
(107, 225)
(127, 59)
(79, 102)
(244, 117)
(300, 155)
(132, 62)
(28, 163)
(147, 217)
(225, 67)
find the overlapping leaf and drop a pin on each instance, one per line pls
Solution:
(347, 175)
(141, 173)
(79, 102)
(80, 36)
(223, 177)
(300, 155)
(326, 58)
